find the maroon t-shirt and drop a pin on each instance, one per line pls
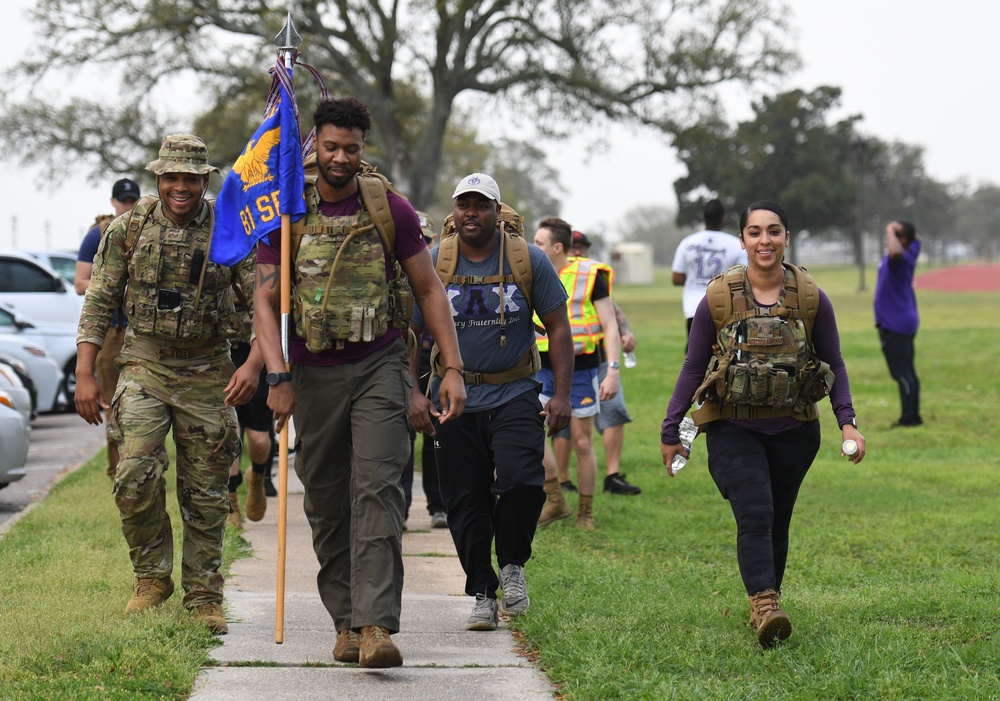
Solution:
(409, 242)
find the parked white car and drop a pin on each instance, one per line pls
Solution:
(28, 347)
(13, 393)
(33, 289)
(62, 262)
(13, 443)
(59, 340)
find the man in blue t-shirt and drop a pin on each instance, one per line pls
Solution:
(896, 315)
(490, 458)
(124, 195)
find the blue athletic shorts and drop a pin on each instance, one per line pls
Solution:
(583, 393)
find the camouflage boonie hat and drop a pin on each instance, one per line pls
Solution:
(182, 153)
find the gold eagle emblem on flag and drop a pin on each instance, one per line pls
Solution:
(251, 166)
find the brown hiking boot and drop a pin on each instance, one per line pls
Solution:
(347, 647)
(766, 617)
(584, 513)
(377, 648)
(555, 504)
(210, 615)
(148, 593)
(256, 503)
(234, 519)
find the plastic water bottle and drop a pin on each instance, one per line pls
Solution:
(850, 447)
(629, 357)
(688, 431)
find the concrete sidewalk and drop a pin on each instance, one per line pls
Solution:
(441, 660)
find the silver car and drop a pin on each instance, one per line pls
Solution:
(22, 342)
(13, 444)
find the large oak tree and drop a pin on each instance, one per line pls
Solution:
(555, 64)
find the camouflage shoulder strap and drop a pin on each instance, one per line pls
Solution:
(803, 293)
(141, 211)
(101, 221)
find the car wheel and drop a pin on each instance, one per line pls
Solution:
(69, 384)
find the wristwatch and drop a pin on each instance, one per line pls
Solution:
(613, 365)
(276, 378)
(852, 422)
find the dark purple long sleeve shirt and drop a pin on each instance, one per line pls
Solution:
(826, 342)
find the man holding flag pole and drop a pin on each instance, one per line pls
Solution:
(348, 387)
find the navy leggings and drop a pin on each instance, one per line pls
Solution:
(760, 475)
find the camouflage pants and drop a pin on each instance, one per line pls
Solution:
(150, 400)
(107, 378)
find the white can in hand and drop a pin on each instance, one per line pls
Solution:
(850, 447)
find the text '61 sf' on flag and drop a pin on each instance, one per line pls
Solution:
(265, 182)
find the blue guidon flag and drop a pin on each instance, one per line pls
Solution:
(266, 181)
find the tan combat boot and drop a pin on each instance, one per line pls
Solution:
(377, 648)
(148, 593)
(210, 615)
(234, 519)
(256, 503)
(347, 647)
(555, 503)
(584, 513)
(766, 617)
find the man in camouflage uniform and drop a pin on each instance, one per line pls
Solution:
(176, 372)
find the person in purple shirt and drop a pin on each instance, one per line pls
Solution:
(759, 464)
(351, 396)
(896, 315)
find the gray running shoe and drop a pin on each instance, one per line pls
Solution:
(515, 599)
(484, 614)
(439, 519)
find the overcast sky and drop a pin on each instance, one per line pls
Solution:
(921, 72)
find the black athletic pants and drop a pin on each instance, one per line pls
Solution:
(898, 351)
(507, 441)
(760, 475)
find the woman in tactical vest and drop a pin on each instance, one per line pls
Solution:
(764, 347)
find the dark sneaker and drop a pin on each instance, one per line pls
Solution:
(515, 598)
(377, 649)
(617, 484)
(439, 519)
(484, 614)
(269, 490)
(568, 486)
(347, 647)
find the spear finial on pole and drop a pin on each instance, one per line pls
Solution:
(288, 41)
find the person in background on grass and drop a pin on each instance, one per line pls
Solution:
(124, 195)
(490, 458)
(896, 315)
(436, 508)
(349, 386)
(759, 446)
(176, 375)
(703, 255)
(613, 415)
(593, 324)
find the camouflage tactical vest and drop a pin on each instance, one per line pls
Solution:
(340, 291)
(763, 362)
(170, 296)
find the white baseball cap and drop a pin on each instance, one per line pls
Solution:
(478, 182)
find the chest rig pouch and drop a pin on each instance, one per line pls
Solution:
(170, 295)
(341, 293)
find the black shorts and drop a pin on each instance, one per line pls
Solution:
(255, 414)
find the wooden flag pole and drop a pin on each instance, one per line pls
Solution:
(287, 41)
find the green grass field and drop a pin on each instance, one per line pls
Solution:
(892, 581)
(892, 584)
